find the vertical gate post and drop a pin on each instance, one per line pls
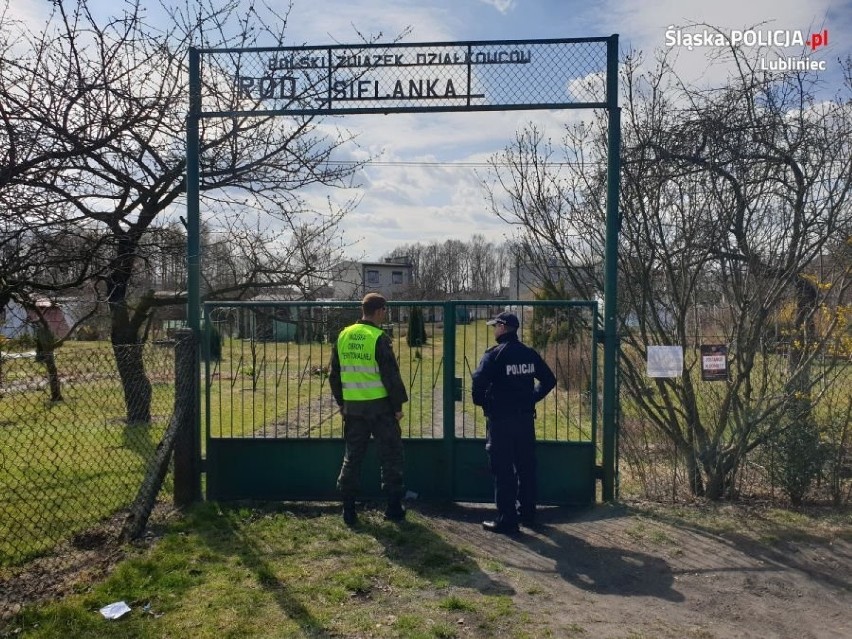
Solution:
(187, 441)
(193, 212)
(193, 265)
(449, 403)
(610, 372)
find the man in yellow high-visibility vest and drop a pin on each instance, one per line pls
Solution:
(366, 384)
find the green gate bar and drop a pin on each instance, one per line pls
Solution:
(449, 393)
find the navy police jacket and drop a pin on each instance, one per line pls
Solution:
(504, 382)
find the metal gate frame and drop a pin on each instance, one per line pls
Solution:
(449, 467)
(609, 335)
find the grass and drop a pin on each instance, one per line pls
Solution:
(82, 359)
(293, 571)
(68, 466)
(65, 471)
(760, 522)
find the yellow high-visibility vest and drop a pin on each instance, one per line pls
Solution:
(359, 371)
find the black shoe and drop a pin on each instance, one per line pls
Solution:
(395, 511)
(527, 522)
(501, 527)
(350, 518)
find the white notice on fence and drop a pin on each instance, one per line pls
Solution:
(665, 361)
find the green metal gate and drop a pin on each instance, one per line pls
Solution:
(274, 432)
(569, 73)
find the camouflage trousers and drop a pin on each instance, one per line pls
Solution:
(357, 430)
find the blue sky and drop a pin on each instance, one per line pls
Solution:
(410, 203)
(442, 198)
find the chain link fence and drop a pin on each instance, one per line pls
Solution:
(787, 455)
(70, 468)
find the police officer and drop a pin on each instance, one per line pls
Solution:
(366, 384)
(504, 384)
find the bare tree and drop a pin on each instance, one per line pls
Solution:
(45, 247)
(130, 124)
(454, 268)
(729, 196)
(483, 260)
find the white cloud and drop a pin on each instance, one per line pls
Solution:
(324, 22)
(425, 186)
(503, 6)
(438, 199)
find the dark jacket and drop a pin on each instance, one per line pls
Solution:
(504, 382)
(392, 380)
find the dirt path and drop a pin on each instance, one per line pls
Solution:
(606, 572)
(610, 572)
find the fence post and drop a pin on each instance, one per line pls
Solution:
(187, 462)
(610, 322)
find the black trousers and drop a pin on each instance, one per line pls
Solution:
(510, 443)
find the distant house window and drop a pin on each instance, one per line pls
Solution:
(373, 277)
(396, 277)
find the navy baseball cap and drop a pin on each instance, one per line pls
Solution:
(507, 319)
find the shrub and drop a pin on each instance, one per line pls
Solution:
(571, 362)
(797, 451)
(554, 324)
(214, 353)
(836, 433)
(416, 335)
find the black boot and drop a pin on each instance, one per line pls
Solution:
(526, 518)
(501, 527)
(349, 516)
(395, 511)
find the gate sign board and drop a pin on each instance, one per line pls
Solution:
(457, 76)
(714, 362)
